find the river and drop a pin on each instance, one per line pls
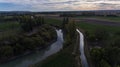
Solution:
(82, 56)
(38, 56)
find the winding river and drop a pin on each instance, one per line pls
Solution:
(82, 56)
(38, 56)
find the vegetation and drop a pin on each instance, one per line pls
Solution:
(36, 33)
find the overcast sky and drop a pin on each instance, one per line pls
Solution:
(58, 5)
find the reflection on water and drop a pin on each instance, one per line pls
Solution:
(82, 56)
(33, 58)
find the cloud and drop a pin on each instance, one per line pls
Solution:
(52, 5)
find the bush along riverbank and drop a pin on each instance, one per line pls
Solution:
(68, 56)
(27, 41)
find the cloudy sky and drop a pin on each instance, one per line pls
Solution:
(58, 5)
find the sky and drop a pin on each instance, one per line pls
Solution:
(58, 5)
